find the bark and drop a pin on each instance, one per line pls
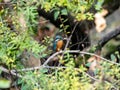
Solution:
(109, 36)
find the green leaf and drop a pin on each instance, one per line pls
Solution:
(64, 12)
(88, 64)
(56, 14)
(4, 83)
(82, 68)
(0, 71)
(98, 6)
(113, 58)
(96, 71)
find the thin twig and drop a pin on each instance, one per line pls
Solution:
(71, 51)
(34, 68)
(68, 41)
(11, 72)
(53, 67)
(81, 52)
(80, 42)
(46, 62)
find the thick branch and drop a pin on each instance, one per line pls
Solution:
(108, 37)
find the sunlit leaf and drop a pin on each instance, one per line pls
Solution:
(88, 64)
(113, 58)
(56, 14)
(64, 12)
(4, 83)
(96, 71)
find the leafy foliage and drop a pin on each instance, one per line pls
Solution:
(77, 8)
(4, 83)
(19, 38)
(14, 42)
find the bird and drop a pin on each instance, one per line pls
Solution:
(58, 43)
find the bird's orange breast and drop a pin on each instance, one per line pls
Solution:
(59, 45)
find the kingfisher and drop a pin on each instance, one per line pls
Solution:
(58, 43)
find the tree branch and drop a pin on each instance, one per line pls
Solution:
(11, 72)
(108, 37)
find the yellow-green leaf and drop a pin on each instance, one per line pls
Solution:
(4, 83)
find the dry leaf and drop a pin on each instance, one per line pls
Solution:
(93, 65)
(91, 59)
(100, 20)
(6, 1)
(104, 12)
